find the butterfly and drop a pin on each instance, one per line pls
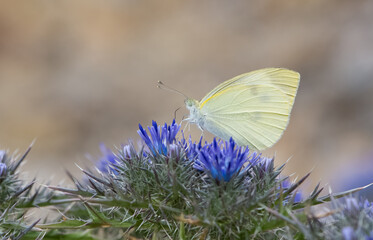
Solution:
(252, 108)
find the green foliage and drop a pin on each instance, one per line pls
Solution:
(17, 197)
(13, 194)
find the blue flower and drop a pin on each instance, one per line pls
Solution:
(354, 206)
(368, 207)
(191, 148)
(358, 216)
(266, 164)
(222, 161)
(127, 151)
(106, 160)
(2, 169)
(297, 195)
(348, 233)
(160, 136)
(174, 151)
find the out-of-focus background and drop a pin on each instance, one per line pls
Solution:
(77, 73)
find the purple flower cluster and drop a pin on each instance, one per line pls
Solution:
(222, 160)
(2, 155)
(106, 160)
(192, 149)
(353, 206)
(353, 209)
(350, 234)
(297, 197)
(3, 167)
(160, 136)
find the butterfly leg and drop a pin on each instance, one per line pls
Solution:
(183, 119)
(186, 125)
(202, 130)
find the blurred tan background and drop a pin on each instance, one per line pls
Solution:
(77, 73)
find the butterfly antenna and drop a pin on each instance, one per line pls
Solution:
(176, 112)
(161, 85)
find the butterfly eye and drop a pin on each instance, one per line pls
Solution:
(188, 102)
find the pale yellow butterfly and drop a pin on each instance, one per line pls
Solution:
(252, 108)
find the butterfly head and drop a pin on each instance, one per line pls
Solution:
(195, 115)
(191, 103)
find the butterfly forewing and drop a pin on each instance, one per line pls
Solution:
(285, 80)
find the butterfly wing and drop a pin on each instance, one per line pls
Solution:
(285, 80)
(252, 108)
